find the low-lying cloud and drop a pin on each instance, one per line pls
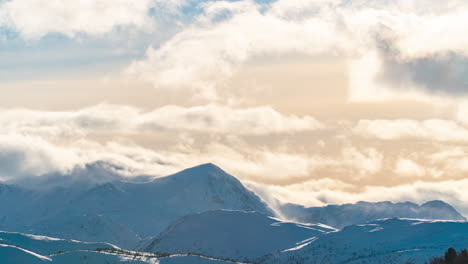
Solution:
(116, 119)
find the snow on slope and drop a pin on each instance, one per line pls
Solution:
(237, 235)
(87, 228)
(18, 248)
(47, 245)
(14, 255)
(340, 216)
(390, 241)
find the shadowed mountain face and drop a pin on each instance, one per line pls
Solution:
(390, 241)
(234, 235)
(123, 212)
(340, 216)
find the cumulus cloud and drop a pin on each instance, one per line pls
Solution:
(409, 168)
(128, 120)
(202, 57)
(380, 39)
(435, 129)
(40, 142)
(33, 19)
(212, 118)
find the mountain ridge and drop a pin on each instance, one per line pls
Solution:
(362, 212)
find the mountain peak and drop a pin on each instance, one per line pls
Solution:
(436, 203)
(204, 171)
(209, 167)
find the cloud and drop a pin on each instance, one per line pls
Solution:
(367, 162)
(25, 156)
(385, 43)
(441, 73)
(202, 57)
(118, 119)
(334, 192)
(220, 119)
(433, 129)
(40, 142)
(33, 19)
(409, 168)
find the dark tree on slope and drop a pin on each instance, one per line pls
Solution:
(452, 257)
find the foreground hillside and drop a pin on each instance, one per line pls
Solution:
(390, 241)
(235, 235)
(18, 248)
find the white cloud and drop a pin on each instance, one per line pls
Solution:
(120, 119)
(204, 55)
(35, 18)
(367, 161)
(434, 129)
(451, 191)
(461, 113)
(28, 155)
(409, 168)
(220, 119)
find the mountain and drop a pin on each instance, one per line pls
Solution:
(236, 235)
(122, 212)
(340, 216)
(390, 241)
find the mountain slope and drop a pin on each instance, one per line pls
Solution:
(46, 245)
(340, 216)
(391, 241)
(14, 255)
(235, 235)
(122, 212)
(19, 248)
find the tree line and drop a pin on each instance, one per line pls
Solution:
(451, 257)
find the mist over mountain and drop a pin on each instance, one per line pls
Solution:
(340, 216)
(121, 212)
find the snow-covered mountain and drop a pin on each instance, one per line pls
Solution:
(389, 241)
(122, 212)
(204, 215)
(237, 235)
(340, 216)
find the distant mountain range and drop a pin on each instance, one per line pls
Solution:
(340, 216)
(205, 215)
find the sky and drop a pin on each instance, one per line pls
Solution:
(307, 101)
